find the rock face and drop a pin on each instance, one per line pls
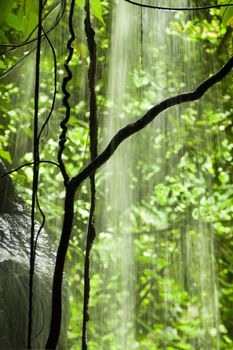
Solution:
(7, 193)
(14, 273)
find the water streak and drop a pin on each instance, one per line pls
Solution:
(157, 270)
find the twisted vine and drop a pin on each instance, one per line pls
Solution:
(66, 93)
(93, 130)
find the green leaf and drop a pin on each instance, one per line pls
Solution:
(30, 18)
(25, 20)
(2, 65)
(80, 3)
(14, 22)
(184, 346)
(96, 10)
(227, 13)
(5, 9)
(5, 155)
(3, 38)
(224, 177)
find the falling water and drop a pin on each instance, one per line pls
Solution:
(156, 264)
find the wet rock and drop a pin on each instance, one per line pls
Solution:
(15, 224)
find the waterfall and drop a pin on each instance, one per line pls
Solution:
(155, 250)
(153, 268)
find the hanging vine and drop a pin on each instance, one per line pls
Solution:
(66, 93)
(93, 127)
(96, 161)
(69, 202)
(36, 160)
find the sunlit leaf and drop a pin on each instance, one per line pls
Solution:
(80, 3)
(5, 155)
(227, 13)
(2, 65)
(5, 9)
(96, 8)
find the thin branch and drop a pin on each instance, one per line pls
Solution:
(93, 129)
(164, 8)
(66, 93)
(28, 164)
(36, 159)
(41, 131)
(41, 225)
(43, 319)
(17, 63)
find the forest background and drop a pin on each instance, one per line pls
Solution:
(174, 196)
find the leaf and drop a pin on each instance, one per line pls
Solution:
(96, 8)
(2, 65)
(30, 17)
(5, 9)
(184, 346)
(227, 13)
(3, 38)
(25, 20)
(14, 22)
(5, 155)
(80, 49)
(80, 3)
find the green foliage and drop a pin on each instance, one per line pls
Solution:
(17, 18)
(161, 213)
(227, 13)
(96, 8)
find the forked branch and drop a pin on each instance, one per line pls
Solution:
(76, 181)
(147, 118)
